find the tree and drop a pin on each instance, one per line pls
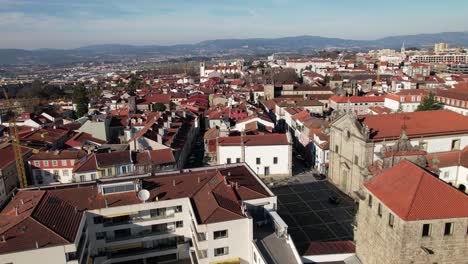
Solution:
(159, 107)
(134, 85)
(172, 106)
(326, 79)
(80, 98)
(429, 103)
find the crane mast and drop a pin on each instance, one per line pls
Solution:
(15, 143)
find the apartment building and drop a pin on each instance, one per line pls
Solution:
(355, 104)
(206, 215)
(455, 99)
(408, 215)
(405, 100)
(440, 58)
(53, 166)
(268, 155)
(8, 172)
(357, 141)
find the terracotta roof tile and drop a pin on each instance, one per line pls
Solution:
(415, 194)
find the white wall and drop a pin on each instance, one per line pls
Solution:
(266, 155)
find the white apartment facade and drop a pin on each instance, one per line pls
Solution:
(267, 155)
(120, 225)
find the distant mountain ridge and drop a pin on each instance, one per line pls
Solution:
(116, 52)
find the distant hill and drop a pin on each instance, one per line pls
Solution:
(116, 52)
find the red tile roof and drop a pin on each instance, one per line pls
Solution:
(7, 155)
(58, 155)
(113, 158)
(418, 124)
(157, 157)
(357, 99)
(415, 194)
(51, 216)
(255, 140)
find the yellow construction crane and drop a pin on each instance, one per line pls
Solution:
(15, 143)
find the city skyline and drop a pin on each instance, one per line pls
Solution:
(31, 24)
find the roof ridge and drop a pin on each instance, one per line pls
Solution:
(415, 193)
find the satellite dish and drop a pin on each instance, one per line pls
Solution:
(143, 195)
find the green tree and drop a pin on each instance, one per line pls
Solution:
(326, 79)
(429, 103)
(172, 106)
(133, 85)
(80, 98)
(159, 107)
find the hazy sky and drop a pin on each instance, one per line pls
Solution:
(74, 23)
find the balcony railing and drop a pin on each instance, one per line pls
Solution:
(137, 219)
(141, 234)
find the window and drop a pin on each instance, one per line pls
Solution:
(379, 210)
(203, 253)
(455, 144)
(336, 148)
(118, 188)
(37, 163)
(54, 163)
(179, 224)
(237, 160)
(370, 201)
(356, 160)
(275, 160)
(124, 169)
(103, 173)
(93, 176)
(178, 208)
(391, 220)
(448, 230)
(426, 230)
(46, 163)
(65, 173)
(109, 171)
(266, 171)
(220, 234)
(122, 233)
(221, 251)
(201, 236)
(64, 162)
(98, 220)
(100, 235)
(82, 178)
(228, 160)
(258, 160)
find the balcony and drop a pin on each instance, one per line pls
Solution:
(136, 219)
(142, 234)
